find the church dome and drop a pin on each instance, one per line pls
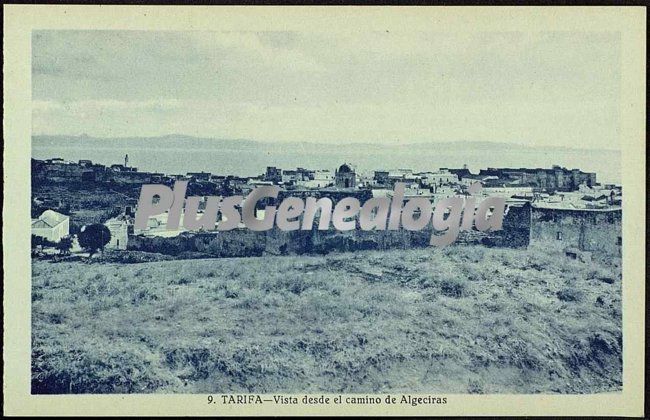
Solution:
(345, 168)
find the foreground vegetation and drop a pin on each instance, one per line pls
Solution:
(457, 320)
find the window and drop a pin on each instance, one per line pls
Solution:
(558, 236)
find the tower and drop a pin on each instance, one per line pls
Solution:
(126, 161)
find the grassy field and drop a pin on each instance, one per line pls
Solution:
(465, 319)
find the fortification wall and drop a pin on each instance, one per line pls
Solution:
(587, 230)
(244, 243)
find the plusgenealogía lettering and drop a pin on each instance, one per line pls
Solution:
(449, 216)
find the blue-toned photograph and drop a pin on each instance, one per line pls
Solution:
(307, 212)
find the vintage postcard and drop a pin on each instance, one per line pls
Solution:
(324, 211)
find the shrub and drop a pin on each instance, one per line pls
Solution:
(40, 241)
(453, 287)
(475, 387)
(132, 257)
(569, 294)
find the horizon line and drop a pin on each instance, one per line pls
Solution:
(338, 143)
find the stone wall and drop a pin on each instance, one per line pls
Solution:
(245, 243)
(587, 230)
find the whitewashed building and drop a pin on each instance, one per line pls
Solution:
(51, 225)
(438, 178)
(119, 228)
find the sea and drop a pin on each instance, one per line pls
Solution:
(179, 155)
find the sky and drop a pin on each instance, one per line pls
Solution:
(538, 89)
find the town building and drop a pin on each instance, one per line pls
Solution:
(438, 178)
(120, 227)
(345, 177)
(118, 167)
(318, 179)
(290, 176)
(199, 176)
(273, 174)
(554, 179)
(381, 178)
(508, 191)
(586, 229)
(51, 225)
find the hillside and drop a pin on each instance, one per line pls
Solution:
(464, 319)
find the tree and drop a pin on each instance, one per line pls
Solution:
(42, 242)
(64, 245)
(36, 241)
(94, 237)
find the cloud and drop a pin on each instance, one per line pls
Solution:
(76, 107)
(543, 88)
(260, 49)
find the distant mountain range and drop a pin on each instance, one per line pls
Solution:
(173, 141)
